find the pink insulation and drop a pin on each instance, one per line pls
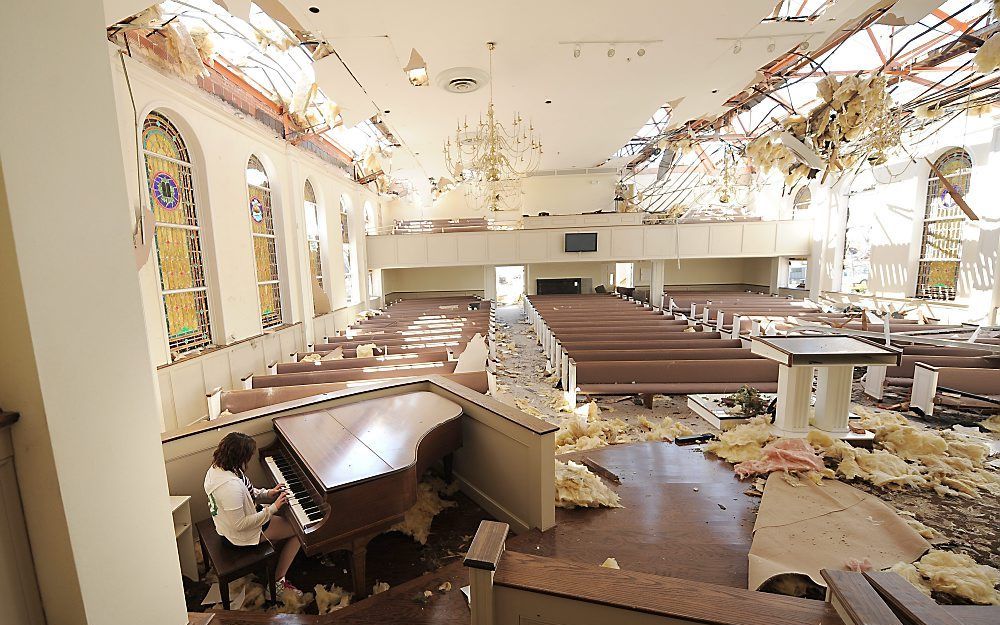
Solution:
(784, 454)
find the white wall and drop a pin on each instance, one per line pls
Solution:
(563, 194)
(433, 279)
(220, 141)
(895, 194)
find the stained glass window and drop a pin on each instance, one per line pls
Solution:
(177, 235)
(350, 274)
(941, 242)
(800, 206)
(265, 244)
(312, 235)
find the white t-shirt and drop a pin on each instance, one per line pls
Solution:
(231, 504)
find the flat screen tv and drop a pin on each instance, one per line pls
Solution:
(581, 241)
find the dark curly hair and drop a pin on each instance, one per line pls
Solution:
(234, 452)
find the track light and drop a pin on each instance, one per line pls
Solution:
(641, 52)
(611, 52)
(738, 47)
(576, 52)
(416, 69)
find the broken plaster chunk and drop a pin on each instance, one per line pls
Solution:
(611, 563)
(444, 587)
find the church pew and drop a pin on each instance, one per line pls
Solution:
(627, 355)
(398, 344)
(431, 355)
(455, 345)
(670, 377)
(878, 377)
(352, 375)
(954, 386)
(249, 399)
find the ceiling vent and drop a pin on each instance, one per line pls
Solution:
(462, 79)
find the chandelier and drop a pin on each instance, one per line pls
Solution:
(490, 159)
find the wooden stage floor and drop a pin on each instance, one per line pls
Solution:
(685, 516)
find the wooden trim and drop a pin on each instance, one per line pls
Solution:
(915, 606)
(855, 600)
(438, 384)
(653, 594)
(487, 546)
(8, 418)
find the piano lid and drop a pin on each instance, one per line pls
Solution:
(357, 442)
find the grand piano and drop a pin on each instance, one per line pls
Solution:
(353, 470)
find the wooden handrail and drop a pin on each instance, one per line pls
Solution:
(487, 546)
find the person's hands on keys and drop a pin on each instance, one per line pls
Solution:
(274, 492)
(281, 500)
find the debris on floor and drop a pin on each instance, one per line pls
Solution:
(331, 600)
(379, 587)
(742, 443)
(576, 487)
(417, 521)
(954, 574)
(611, 563)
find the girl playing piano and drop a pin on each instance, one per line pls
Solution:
(231, 502)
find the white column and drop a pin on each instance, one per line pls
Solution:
(657, 278)
(489, 282)
(87, 448)
(794, 391)
(833, 397)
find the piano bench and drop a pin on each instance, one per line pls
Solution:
(231, 563)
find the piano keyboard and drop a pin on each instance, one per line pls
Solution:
(305, 510)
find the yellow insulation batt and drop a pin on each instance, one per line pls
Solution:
(417, 521)
(666, 430)
(743, 442)
(957, 574)
(331, 600)
(576, 487)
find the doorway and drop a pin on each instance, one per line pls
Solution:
(510, 284)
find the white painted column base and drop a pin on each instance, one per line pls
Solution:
(833, 397)
(794, 392)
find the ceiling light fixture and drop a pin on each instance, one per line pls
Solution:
(491, 159)
(577, 52)
(416, 69)
(611, 52)
(641, 52)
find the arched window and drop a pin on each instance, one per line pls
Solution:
(350, 271)
(941, 243)
(177, 234)
(312, 235)
(800, 205)
(265, 244)
(370, 226)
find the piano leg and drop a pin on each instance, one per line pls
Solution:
(449, 466)
(359, 552)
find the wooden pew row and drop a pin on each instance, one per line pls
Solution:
(455, 345)
(671, 377)
(687, 340)
(249, 399)
(879, 377)
(430, 355)
(351, 375)
(397, 345)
